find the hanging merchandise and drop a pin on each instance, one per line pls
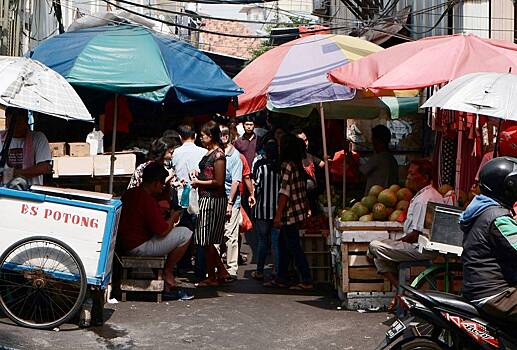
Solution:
(508, 142)
(95, 140)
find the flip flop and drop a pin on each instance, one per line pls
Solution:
(207, 283)
(274, 284)
(302, 286)
(257, 276)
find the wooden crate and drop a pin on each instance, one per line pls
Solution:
(357, 274)
(316, 249)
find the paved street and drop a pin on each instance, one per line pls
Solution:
(243, 315)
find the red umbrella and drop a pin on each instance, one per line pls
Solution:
(427, 62)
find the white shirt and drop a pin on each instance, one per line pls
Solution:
(185, 159)
(41, 153)
(418, 206)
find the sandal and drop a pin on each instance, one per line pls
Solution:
(207, 283)
(257, 276)
(392, 307)
(274, 284)
(303, 286)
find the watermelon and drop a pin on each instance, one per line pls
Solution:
(404, 194)
(359, 209)
(369, 201)
(375, 190)
(379, 212)
(388, 198)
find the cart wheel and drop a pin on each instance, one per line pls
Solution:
(434, 278)
(42, 282)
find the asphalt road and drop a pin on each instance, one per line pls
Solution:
(242, 315)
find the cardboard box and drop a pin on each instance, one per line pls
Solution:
(124, 164)
(73, 166)
(57, 149)
(79, 149)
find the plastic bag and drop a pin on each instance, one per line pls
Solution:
(185, 196)
(193, 202)
(246, 224)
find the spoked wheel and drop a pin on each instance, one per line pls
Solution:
(440, 278)
(421, 343)
(42, 282)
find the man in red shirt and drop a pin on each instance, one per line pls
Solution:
(143, 231)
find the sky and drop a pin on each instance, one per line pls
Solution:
(226, 11)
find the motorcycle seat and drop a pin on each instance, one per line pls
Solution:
(454, 301)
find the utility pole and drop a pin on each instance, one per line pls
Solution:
(59, 15)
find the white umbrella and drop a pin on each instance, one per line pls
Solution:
(30, 85)
(485, 93)
(490, 94)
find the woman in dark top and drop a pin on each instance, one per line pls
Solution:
(212, 203)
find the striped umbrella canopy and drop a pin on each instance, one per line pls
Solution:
(294, 75)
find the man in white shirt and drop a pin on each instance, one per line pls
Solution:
(29, 152)
(186, 157)
(388, 253)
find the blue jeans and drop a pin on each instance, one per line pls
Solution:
(290, 242)
(266, 233)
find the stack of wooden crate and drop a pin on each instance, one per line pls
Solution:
(359, 284)
(314, 244)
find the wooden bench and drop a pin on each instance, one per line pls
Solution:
(133, 281)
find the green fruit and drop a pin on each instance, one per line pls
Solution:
(394, 188)
(360, 209)
(404, 194)
(349, 216)
(402, 205)
(365, 218)
(375, 190)
(369, 201)
(379, 212)
(388, 198)
(395, 215)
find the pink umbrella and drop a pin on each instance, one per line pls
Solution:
(426, 62)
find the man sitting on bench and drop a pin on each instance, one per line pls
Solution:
(388, 253)
(143, 230)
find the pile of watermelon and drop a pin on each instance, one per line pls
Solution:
(379, 205)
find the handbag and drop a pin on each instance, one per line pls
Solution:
(246, 224)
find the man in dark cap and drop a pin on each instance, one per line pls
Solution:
(381, 168)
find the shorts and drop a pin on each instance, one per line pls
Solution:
(160, 246)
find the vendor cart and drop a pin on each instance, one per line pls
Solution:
(59, 245)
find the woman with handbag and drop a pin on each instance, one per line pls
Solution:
(212, 203)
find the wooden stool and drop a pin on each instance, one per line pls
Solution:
(135, 283)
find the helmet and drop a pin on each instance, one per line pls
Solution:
(498, 180)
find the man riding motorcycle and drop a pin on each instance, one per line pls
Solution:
(490, 242)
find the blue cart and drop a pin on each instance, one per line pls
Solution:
(60, 245)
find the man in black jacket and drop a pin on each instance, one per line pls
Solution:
(490, 242)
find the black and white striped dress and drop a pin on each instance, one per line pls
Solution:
(212, 204)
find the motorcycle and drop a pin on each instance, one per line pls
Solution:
(438, 320)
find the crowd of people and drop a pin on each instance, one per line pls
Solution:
(192, 203)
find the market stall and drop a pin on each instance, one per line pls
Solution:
(103, 59)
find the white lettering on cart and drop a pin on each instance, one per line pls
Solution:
(59, 216)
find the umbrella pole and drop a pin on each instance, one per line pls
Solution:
(458, 162)
(7, 141)
(113, 143)
(327, 177)
(345, 123)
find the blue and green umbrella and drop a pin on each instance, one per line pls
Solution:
(135, 61)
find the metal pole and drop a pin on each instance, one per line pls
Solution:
(113, 143)
(327, 177)
(344, 162)
(458, 160)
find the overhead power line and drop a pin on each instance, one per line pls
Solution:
(314, 31)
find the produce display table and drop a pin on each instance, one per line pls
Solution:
(314, 244)
(357, 278)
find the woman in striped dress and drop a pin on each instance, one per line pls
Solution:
(212, 203)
